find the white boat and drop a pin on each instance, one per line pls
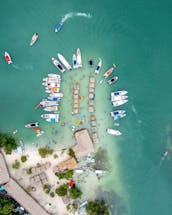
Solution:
(74, 62)
(109, 71)
(50, 84)
(118, 98)
(49, 116)
(60, 95)
(32, 125)
(52, 90)
(58, 80)
(119, 116)
(58, 65)
(114, 113)
(34, 39)
(118, 103)
(52, 120)
(78, 58)
(119, 93)
(51, 108)
(8, 58)
(113, 132)
(113, 80)
(79, 171)
(99, 171)
(98, 66)
(64, 61)
(52, 75)
(54, 98)
(46, 103)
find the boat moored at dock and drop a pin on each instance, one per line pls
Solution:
(32, 125)
(118, 98)
(97, 70)
(113, 132)
(74, 62)
(109, 71)
(118, 103)
(49, 116)
(60, 95)
(119, 93)
(119, 116)
(78, 58)
(51, 108)
(64, 61)
(52, 120)
(46, 103)
(113, 80)
(58, 65)
(114, 113)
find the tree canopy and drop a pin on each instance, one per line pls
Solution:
(75, 193)
(7, 142)
(44, 152)
(97, 208)
(64, 175)
(62, 190)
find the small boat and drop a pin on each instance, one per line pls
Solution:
(74, 62)
(118, 98)
(113, 132)
(60, 95)
(50, 84)
(64, 61)
(46, 103)
(114, 113)
(32, 125)
(58, 26)
(54, 98)
(116, 124)
(52, 120)
(38, 131)
(51, 108)
(58, 65)
(58, 80)
(90, 61)
(52, 90)
(49, 116)
(78, 58)
(52, 75)
(113, 80)
(109, 71)
(119, 93)
(34, 39)
(119, 116)
(8, 58)
(118, 103)
(98, 66)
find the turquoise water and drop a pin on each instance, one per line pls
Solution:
(136, 36)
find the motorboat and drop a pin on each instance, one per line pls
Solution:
(34, 39)
(98, 66)
(90, 61)
(54, 98)
(64, 61)
(58, 80)
(119, 93)
(60, 95)
(118, 103)
(50, 84)
(113, 132)
(52, 90)
(49, 116)
(113, 80)
(78, 58)
(109, 71)
(74, 62)
(52, 120)
(51, 108)
(119, 116)
(118, 98)
(52, 75)
(32, 125)
(58, 26)
(8, 58)
(58, 65)
(114, 113)
(46, 103)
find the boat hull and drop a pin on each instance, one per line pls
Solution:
(64, 61)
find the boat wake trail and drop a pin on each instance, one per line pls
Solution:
(70, 15)
(16, 67)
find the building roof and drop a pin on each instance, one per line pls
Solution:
(84, 144)
(4, 175)
(68, 164)
(92, 80)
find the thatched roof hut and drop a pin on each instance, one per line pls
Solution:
(91, 95)
(91, 85)
(91, 109)
(92, 79)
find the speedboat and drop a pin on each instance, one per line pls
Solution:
(34, 39)
(50, 84)
(98, 66)
(58, 80)
(52, 75)
(51, 108)
(114, 113)
(46, 103)
(113, 80)
(118, 103)
(90, 61)
(119, 93)
(118, 98)
(60, 95)
(49, 116)
(109, 71)
(52, 90)
(58, 26)
(64, 61)
(54, 98)
(113, 132)
(32, 125)
(52, 120)
(58, 65)
(78, 58)
(74, 62)
(119, 116)
(8, 58)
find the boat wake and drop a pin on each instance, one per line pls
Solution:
(16, 67)
(70, 15)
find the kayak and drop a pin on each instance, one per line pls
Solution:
(8, 58)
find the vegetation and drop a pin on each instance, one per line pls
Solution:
(97, 208)
(8, 142)
(44, 152)
(65, 175)
(55, 156)
(71, 153)
(23, 158)
(72, 208)
(62, 190)
(46, 188)
(75, 193)
(52, 194)
(29, 171)
(16, 164)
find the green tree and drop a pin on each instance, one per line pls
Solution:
(75, 193)
(71, 153)
(23, 158)
(6, 206)
(62, 190)
(16, 164)
(97, 208)
(65, 175)
(8, 142)
(44, 152)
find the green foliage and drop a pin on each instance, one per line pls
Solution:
(65, 175)
(16, 164)
(8, 142)
(97, 208)
(75, 193)
(29, 189)
(72, 208)
(29, 171)
(23, 158)
(52, 194)
(46, 188)
(6, 206)
(62, 190)
(71, 153)
(44, 152)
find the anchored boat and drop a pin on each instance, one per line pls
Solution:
(118, 98)
(118, 103)
(113, 80)
(50, 84)
(113, 132)
(74, 62)
(58, 26)
(98, 66)
(51, 108)
(32, 125)
(46, 103)
(34, 39)
(90, 61)
(109, 71)
(8, 58)
(49, 116)
(60, 95)
(58, 65)
(119, 116)
(64, 61)
(52, 120)
(52, 75)
(78, 58)
(114, 113)
(119, 93)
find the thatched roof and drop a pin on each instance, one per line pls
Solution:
(91, 109)
(4, 176)
(75, 110)
(68, 164)
(91, 85)
(84, 144)
(92, 117)
(92, 79)
(91, 90)
(91, 95)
